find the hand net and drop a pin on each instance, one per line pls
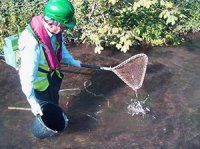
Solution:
(132, 70)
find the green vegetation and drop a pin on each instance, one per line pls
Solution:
(14, 16)
(120, 24)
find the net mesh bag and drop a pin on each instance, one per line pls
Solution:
(132, 70)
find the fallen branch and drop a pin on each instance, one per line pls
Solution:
(72, 89)
(18, 108)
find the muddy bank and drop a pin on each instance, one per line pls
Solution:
(96, 103)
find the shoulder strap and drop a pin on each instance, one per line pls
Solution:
(28, 27)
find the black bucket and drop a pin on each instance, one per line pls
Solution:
(52, 122)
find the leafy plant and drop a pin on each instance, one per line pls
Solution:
(191, 9)
(15, 15)
(127, 23)
(118, 23)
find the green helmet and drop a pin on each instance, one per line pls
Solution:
(61, 11)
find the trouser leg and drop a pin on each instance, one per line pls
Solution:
(54, 88)
(51, 94)
(43, 96)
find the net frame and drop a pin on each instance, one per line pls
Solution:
(131, 59)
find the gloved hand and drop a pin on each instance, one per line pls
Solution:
(36, 109)
(35, 106)
(77, 63)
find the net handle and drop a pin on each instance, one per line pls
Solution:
(96, 67)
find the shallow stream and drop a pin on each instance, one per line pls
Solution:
(101, 107)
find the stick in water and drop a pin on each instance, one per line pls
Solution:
(18, 108)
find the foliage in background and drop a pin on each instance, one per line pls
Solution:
(117, 23)
(14, 16)
(126, 23)
(191, 8)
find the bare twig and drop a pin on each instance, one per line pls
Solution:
(19, 108)
(71, 89)
(91, 116)
(93, 8)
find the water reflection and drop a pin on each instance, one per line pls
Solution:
(99, 118)
(171, 119)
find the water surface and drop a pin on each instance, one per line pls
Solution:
(96, 103)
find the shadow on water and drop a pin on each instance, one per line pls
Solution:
(192, 44)
(173, 87)
(159, 76)
(82, 110)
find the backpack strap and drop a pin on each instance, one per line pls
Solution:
(28, 27)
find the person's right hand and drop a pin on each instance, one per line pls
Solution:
(36, 109)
